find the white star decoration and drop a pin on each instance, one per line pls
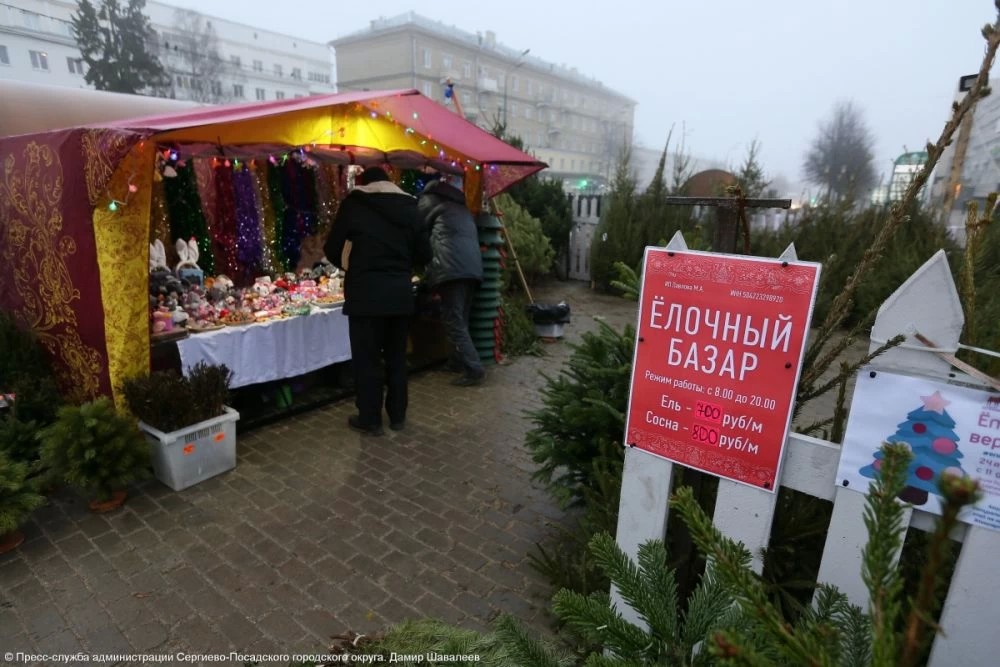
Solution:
(935, 402)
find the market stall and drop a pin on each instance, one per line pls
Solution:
(247, 189)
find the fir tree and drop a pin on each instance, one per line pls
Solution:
(614, 238)
(115, 43)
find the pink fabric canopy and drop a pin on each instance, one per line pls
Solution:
(502, 164)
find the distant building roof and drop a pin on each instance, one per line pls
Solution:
(916, 157)
(485, 42)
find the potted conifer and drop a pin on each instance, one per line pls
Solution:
(96, 450)
(190, 430)
(17, 499)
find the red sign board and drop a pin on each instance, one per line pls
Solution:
(718, 352)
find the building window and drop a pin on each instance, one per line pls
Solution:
(277, 70)
(297, 73)
(531, 87)
(180, 81)
(527, 112)
(261, 94)
(513, 82)
(446, 62)
(427, 58)
(39, 60)
(297, 95)
(467, 70)
(4, 57)
(75, 65)
(217, 88)
(466, 99)
(428, 89)
(258, 66)
(31, 20)
(279, 94)
(513, 109)
(235, 60)
(237, 90)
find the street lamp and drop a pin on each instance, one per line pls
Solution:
(506, 83)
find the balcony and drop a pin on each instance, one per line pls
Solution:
(488, 85)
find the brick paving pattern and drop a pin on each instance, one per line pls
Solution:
(317, 531)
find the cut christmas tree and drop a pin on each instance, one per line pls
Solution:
(929, 433)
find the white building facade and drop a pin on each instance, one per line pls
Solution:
(37, 45)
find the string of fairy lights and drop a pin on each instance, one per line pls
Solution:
(273, 197)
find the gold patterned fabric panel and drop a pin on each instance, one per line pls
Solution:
(40, 259)
(102, 149)
(122, 239)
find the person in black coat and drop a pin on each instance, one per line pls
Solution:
(455, 271)
(376, 239)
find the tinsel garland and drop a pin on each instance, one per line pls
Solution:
(278, 205)
(265, 213)
(204, 172)
(327, 200)
(224, 233)
(249, 251)
(186, 217)
(159, 220)
(294, 222)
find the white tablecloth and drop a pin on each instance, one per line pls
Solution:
(272, 350)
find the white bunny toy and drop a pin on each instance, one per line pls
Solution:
(157, 256)
(187, 267)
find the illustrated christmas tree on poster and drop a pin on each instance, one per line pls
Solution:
(929, 432)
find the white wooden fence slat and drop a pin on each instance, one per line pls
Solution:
(810, 465)
(928, 302)
(969, 617)
(845, 541)
(789, 255)
(642, 510)
(744, 514)
(677, 242)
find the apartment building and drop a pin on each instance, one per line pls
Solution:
(574, 123)
(209, 59)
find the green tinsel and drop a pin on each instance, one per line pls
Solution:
(186, 217)
(278, 204)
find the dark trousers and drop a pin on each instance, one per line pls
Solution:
(456, 308)
(378, 342)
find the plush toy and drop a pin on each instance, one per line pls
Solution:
(157, 256)
(187, 268)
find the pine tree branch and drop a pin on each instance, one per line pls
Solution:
(897, 215)
(883, 518)
(729, 561)
(958, 492)
(850, 369)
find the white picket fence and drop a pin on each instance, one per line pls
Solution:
(927, 303)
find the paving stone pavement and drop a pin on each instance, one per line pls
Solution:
(317, 531)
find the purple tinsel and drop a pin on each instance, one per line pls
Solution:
(250, 241)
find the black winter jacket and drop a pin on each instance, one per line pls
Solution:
(454, 238)
(383, 226)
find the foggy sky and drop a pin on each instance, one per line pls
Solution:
(728, 71)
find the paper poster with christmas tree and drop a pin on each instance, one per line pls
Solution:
(929, 433)
(949, 428)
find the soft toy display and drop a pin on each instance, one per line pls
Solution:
(187, 268)
(185, 300)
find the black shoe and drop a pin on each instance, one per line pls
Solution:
(469, 380)
(397, 426)
(453, 367)
(354, 422)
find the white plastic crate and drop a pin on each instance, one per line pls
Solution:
(190, 455)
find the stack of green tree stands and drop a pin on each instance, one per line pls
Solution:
(486, 305)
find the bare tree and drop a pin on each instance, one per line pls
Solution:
(191, 53)
(840, 158)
